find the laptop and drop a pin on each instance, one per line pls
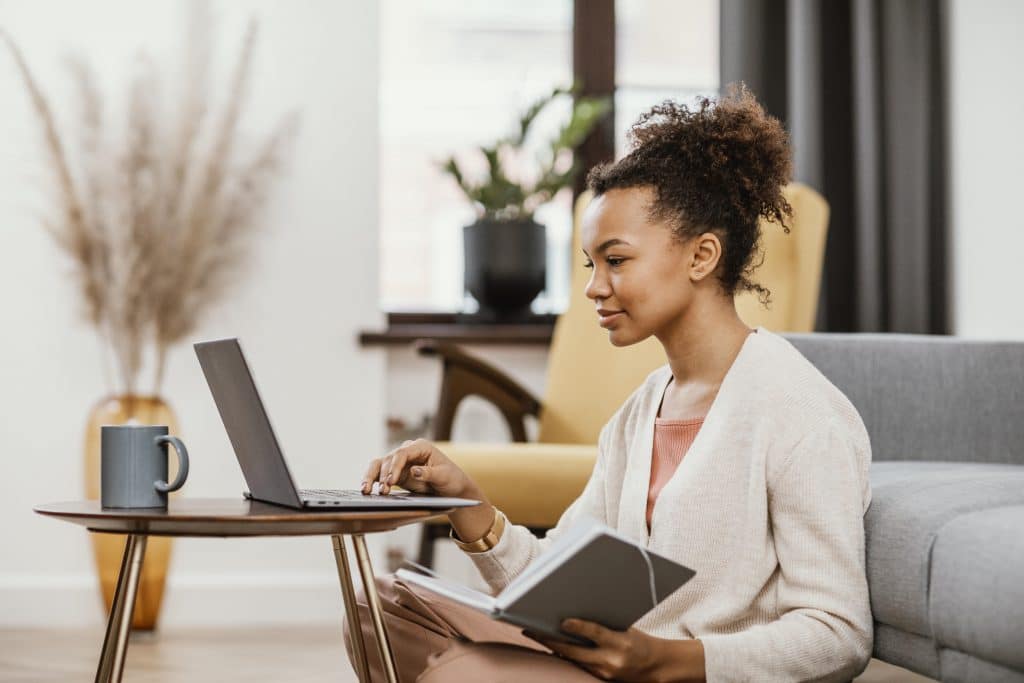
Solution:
(259, 454)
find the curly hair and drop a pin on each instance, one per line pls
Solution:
(718, 167)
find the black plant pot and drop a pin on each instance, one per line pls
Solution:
(505, 266)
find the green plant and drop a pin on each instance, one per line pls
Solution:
(501, 197)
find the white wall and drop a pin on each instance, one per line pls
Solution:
(986, 109)
(311, 287)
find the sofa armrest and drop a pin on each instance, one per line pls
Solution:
(463, 375)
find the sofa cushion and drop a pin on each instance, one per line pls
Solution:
(908, 650)
(977, 585)
(961, 667)
(911, 503)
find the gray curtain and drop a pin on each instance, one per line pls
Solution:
(860, 85)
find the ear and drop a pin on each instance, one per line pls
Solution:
(706, 251)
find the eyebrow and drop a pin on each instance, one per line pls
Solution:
(607, 244)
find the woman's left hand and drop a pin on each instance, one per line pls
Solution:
(620, 655)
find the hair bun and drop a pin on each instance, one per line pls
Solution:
(733, 145)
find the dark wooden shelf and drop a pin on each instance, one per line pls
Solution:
(405, 328)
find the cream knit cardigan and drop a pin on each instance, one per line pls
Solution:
(767, 507)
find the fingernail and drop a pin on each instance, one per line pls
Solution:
(417, 472)
(362, 486)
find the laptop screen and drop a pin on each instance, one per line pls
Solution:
(245, 419)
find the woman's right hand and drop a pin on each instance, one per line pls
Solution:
(420, 467)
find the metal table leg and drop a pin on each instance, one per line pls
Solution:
(119, 623)
(351, 610)
(376, 611)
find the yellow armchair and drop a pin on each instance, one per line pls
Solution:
(588, 378)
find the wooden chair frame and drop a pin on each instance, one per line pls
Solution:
(463, 375)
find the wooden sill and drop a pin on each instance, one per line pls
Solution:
(405, 328)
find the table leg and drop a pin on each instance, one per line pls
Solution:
(351, 610)
(387, 658)
(119, 623)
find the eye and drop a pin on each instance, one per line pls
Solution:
(613, 261)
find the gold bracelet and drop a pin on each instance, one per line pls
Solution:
(489, 540)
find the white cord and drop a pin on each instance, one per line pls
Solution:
(650, 575)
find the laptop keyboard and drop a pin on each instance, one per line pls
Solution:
(347, 494)
(354, 499)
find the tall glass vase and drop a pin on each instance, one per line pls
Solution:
(109, 548)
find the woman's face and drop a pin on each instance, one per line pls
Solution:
(644, 279)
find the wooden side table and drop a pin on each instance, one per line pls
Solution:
(226, 517)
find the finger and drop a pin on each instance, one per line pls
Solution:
(410, 453)
(371, 475)
(423, 473)
(426, 475)
(402, 457)
(394, 471)
(439, 477)
(385, 470)
(591, 630)
(577, 653)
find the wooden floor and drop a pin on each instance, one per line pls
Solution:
(256, 655)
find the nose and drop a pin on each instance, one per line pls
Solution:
(597, 287)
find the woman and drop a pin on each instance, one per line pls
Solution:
(767, 505)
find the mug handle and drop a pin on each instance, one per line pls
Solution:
(182, 452)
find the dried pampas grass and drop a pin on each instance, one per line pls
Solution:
(157, 226)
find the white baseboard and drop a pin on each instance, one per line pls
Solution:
(72, 601)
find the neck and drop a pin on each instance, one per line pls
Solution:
(702, 344)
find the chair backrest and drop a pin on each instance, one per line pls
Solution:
(792, 266)
(928, 397)
(588, 378)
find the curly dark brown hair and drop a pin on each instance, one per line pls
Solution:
(718, 167)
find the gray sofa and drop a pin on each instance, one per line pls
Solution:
(945, 530)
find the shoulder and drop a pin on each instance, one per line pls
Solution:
(795, 395)
(808, 417)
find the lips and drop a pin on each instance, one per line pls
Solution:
(607, 317)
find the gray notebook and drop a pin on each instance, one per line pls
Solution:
(591, 572)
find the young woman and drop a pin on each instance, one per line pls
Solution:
(737, 458)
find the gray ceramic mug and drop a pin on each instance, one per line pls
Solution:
(133, 466)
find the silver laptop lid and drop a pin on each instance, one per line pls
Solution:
(246, 421)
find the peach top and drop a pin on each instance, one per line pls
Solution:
(672, 438)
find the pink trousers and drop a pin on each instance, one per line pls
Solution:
(435, 639)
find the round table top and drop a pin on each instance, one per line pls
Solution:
(230, 517)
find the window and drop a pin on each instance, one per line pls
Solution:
(665, 49)
(456, 74)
